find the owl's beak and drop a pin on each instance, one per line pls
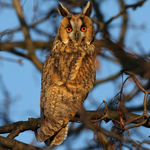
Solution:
(77, 37)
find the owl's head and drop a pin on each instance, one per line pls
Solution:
(76, 29)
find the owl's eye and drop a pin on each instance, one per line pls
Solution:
(83, 29)
(68, 29)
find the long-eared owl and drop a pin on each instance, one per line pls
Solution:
(68, 74)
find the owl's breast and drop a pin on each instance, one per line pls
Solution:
(73, 67)
(83, 77)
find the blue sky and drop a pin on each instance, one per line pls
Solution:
(24, 81)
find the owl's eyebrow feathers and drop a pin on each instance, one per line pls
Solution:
(81, 18)
(83, 22)
(83, 25)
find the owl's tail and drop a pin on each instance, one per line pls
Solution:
(58, 138)
(52, 132)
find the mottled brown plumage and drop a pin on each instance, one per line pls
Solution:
(68, 75)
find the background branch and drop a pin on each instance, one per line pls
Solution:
(14, 144)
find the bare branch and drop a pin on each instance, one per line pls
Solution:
(124, 22)
(31, 124)
(134, 6)
(22, 20)
(25, 30)
(16, 145)
(22, 44)
(107, 79)
(142, 89)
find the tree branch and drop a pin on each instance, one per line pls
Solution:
(21, 126)
(29, 43)
(107, 79)
(33, 124)
(16, 145)
(6, 46)
(134, 6)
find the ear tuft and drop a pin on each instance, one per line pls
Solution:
(62, 10)
(88, 9)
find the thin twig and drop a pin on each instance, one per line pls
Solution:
(134, 6)
(135, 125)
(142, 89)
(107, 79)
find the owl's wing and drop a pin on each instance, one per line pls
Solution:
(58, 69)
(52, 132)
(58, 138)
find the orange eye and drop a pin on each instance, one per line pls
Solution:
(83, 29)
(68, 29)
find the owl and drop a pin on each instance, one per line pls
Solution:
(68, 74)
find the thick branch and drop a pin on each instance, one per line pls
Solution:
(16, 145)
(33, 124)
